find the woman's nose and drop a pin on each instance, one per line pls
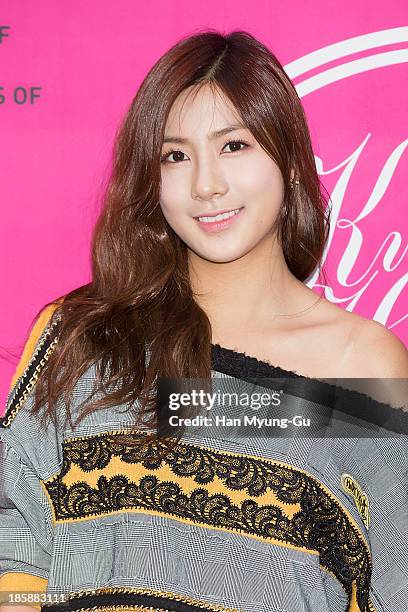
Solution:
(208, 181)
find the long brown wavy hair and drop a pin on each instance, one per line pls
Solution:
(140, 295)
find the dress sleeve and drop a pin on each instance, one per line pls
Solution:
(26, 524)
(25, 528)
(32, 341)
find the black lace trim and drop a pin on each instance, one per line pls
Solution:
(322, 525)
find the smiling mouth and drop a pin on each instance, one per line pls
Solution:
(217, 217)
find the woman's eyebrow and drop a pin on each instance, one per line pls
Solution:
(212, 136)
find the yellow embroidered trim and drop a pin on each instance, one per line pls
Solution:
(31, 372)
(32, 340)
(123, 609)
(199, 603)
(18, 582)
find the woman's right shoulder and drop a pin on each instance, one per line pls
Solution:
(38, 344)
(26, 441)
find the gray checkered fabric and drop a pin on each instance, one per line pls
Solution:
(226, 567)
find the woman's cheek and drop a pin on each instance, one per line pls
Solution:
(172, 194)
(172, 211)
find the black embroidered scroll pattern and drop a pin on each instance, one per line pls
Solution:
(321, 526)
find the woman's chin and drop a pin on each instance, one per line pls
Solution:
(220, 254)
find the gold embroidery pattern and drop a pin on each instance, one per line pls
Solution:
(350, 485)
(322, 526)
(31, 373)
(138, 599)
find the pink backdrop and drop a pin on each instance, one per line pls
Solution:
(69, 70)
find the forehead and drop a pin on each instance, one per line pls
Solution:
(201, 108)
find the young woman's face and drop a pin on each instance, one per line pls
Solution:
(203, 172)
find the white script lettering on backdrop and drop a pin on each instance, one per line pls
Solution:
(390, 248)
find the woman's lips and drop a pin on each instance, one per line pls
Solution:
(218, 226)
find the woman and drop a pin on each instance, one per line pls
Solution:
(213, 220)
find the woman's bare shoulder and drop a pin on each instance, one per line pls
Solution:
(375, 351)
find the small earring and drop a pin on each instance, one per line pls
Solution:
(291, 185)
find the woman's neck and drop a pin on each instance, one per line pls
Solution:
(248, 293)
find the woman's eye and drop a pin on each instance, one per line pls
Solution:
(166, 157)
(234, 143)
(235, 146)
